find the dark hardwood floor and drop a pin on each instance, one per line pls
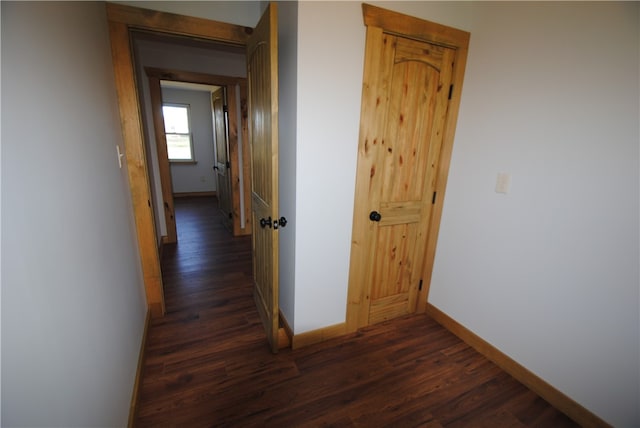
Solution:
(208, 364)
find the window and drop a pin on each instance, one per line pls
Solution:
(177, 128)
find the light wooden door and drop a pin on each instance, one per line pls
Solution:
(408, 84)
(222, 166)
(262, 72)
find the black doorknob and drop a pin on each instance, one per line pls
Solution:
(265, 222)
(375, 216)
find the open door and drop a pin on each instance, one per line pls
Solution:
(164, 166)
(262, 74)
(222, 163)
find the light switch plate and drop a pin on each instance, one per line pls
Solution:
(503, 183)
(120, 156)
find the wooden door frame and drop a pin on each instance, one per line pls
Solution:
(155, 75)
(377, 21)
(122, 20)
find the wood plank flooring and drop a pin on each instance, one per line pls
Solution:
(208, 364)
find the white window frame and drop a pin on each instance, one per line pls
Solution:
(187, 107)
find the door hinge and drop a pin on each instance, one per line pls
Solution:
(433, 199)
(450, 91)
(420, 286)
(226, 108)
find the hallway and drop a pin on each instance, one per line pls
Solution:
(208, 363)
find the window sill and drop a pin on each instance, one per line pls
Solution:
(179, 162)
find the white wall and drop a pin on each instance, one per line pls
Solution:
(287, 98)
(550, 271)
(244, 12)
(547, 273)
(199, 177)
(72, 298)
(329, 86)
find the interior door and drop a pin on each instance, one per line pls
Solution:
(222, 166)
(262, 73)
(406, 113)
(419, 76)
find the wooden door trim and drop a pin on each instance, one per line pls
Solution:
(193, 77)
(378, 21)
(409, 26)
(179, 25)
(122, 19)
(155, 75)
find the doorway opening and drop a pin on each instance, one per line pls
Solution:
(125, 24)
(262, 127)
(222, 164)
